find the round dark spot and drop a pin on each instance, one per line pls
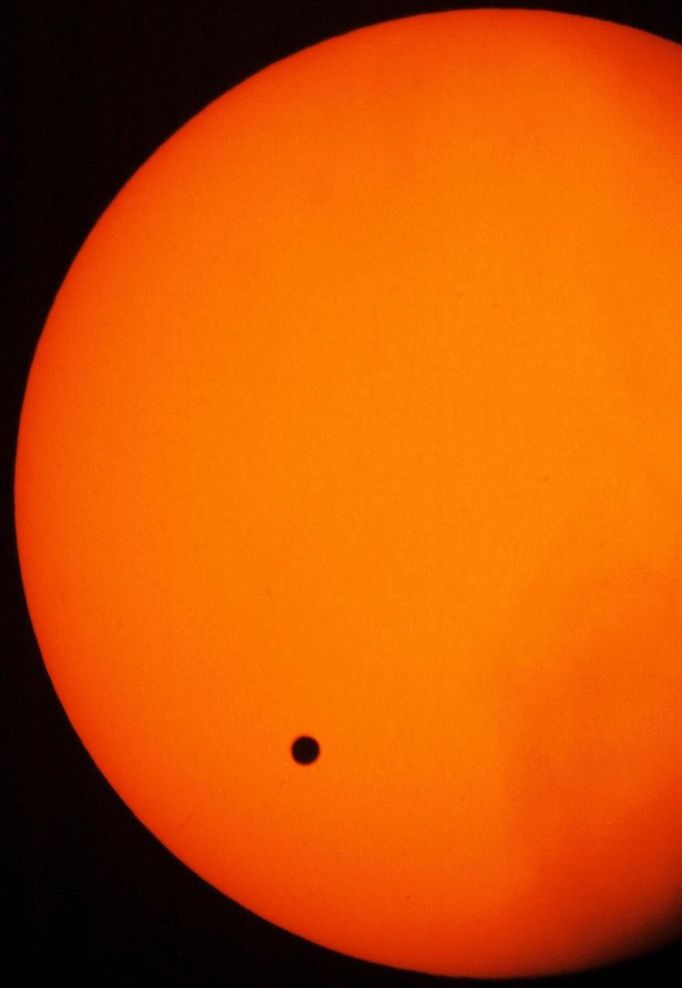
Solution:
(305, 750)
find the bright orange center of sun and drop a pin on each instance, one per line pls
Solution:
(358, 418)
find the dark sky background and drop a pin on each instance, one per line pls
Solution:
(93, 88)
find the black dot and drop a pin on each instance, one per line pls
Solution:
(305, 750)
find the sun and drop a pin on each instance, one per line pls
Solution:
(349, 493)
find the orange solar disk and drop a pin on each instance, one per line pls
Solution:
(349, 493)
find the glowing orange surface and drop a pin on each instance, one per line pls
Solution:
(359, 416)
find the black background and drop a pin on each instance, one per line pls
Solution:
(93, 89)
